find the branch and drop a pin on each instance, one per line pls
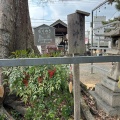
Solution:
(19, 108)
(111, 1)
(4, 112)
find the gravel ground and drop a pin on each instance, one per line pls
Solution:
(90, 80)
(98, 74)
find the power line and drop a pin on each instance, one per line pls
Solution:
(61, 1)
(35, 19)
(113, 14)
(65, 2)
(52, 22)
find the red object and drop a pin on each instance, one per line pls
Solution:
(25, 82)
(40, 79)
(51, 73)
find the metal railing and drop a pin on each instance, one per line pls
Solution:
(61, 60)
(57, 60)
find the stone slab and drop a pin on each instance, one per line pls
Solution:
(108, 95)
(104, 106)
(111, 84)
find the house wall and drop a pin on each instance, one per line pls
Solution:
(97, 23)
(43, 49)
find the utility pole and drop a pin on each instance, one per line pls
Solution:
(88, 33)
(92, 29)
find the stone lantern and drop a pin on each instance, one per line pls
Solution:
(115, 50)
(107, 93)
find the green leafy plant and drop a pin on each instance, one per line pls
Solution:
(43, 88)
(15, 114)
(29, 53)
(2, 117)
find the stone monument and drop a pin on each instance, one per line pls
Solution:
(76, 46)
(107, 93)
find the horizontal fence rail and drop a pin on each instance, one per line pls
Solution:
(57, 60)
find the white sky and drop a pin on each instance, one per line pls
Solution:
(47, 13)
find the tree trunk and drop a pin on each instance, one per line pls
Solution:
(15, 30)
(15, 27)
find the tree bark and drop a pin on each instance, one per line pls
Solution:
(24, 37)
(18, 107)
(15, 30)
(15, 27)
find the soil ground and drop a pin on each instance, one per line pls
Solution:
(100, 72)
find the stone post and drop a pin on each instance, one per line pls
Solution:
(76, 45)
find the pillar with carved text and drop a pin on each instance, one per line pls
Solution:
(76, 46)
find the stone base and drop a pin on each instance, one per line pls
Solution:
(110, 97)
(104, 106)
(111, 84)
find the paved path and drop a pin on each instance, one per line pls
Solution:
(98, 74)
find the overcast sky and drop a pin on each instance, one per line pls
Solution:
(47, 13)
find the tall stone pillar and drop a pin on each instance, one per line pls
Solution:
(76, 46)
